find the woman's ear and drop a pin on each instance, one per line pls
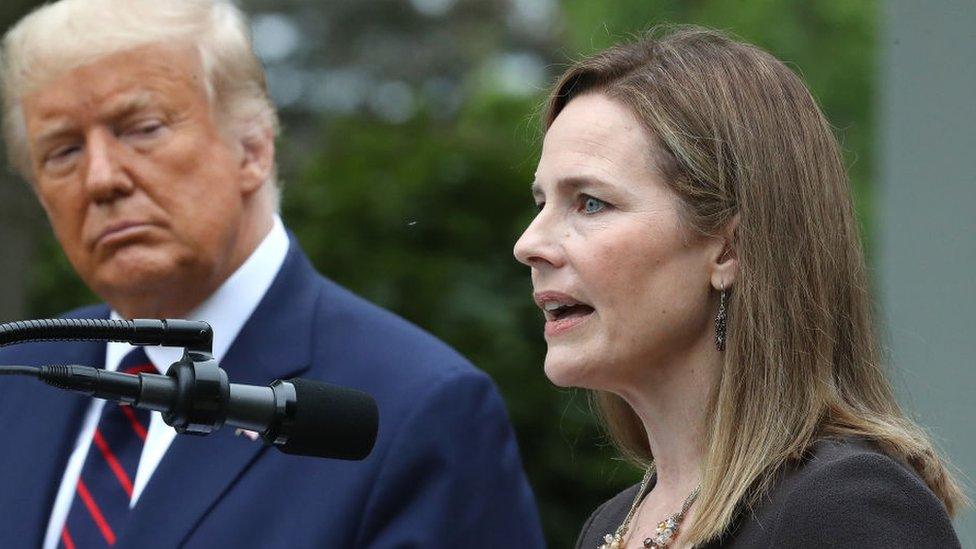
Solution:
(725, 265)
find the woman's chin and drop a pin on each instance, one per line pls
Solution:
(566, 373)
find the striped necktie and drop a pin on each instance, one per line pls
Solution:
(100, 508)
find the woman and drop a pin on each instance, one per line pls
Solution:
(697, 260)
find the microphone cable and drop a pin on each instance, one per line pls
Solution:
(31, 371)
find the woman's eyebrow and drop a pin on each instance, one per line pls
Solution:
(573, 183)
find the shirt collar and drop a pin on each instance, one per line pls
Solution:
(227, 309)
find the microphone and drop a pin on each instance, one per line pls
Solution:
(297, 416)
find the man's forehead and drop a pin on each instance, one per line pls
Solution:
(110, 74)
(113, 84)
(52, 117)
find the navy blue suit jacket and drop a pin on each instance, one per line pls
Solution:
(445, 471)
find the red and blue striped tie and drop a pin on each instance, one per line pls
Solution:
(100, 508)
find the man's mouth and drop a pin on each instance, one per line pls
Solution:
(120, 231)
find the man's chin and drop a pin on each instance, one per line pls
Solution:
(127, 280)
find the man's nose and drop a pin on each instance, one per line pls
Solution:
(539, 244)
(105, 178)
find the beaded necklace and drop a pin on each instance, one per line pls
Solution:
(665, 530)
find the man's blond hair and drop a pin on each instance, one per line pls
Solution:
(64, 35)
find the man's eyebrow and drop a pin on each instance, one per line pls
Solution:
(119, 108)
(127, 105)
(53, 130)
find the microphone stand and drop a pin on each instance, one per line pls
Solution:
(195, 396)
(202, 386)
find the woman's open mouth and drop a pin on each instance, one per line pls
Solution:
(562, 312)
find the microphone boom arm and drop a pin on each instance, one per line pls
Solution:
(195, 396)
(201, 386)
(189, 334)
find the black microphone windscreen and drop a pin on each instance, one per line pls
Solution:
(331, 422)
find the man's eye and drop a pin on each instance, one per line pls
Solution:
(147, 129)
(592, 205)
(61, 154)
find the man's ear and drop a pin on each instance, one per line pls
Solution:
(257, 149)
(725, 264)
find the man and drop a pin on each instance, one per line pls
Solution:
(145, 130)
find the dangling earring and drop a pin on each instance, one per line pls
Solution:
(721, 319)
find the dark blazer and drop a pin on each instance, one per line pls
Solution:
(445, 471)
(846, 494)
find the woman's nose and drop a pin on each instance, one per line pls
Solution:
(537, 247)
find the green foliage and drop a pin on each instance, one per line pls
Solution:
(421, 217)
(830, 44)
(54, 287)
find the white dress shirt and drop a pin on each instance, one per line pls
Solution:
(226, 310)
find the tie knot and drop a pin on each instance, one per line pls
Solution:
(136, 361)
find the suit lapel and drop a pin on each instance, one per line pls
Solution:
(197, 472)
(44, 422)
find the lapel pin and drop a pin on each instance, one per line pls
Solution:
(253, 435)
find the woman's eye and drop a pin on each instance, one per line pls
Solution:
(592, 205)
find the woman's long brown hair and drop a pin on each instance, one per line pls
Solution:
(739, 134)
